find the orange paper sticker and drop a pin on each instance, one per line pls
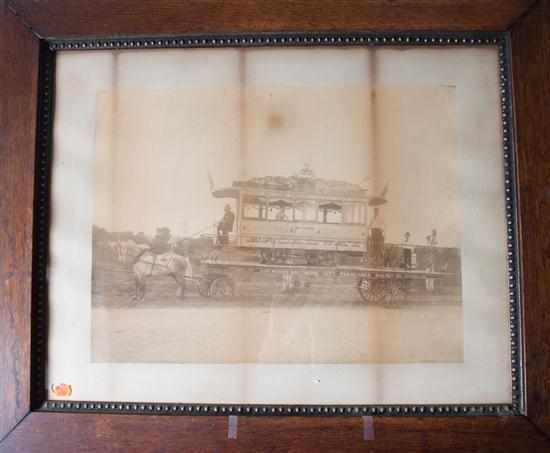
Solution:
(61, 390)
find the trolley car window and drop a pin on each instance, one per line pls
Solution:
(305, 211)
(330, 213)
(353, 213)
(254, 207)
(279, 210)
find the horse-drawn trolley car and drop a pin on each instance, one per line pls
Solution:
(297, 224)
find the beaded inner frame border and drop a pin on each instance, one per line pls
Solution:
(41, 222)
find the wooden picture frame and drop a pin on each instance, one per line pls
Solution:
(28, 27)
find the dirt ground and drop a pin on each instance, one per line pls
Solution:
(323, 322)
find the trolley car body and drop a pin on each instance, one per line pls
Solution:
(300, 213)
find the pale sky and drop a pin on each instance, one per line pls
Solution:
(173, 116)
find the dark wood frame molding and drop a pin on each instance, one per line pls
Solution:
(26, 25)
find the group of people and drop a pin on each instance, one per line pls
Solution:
(430, 262)
(431, 239)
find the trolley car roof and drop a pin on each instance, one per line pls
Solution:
(296, 185)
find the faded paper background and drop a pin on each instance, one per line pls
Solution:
(171, 121)
(269, 113)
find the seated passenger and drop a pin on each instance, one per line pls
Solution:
(281, 215)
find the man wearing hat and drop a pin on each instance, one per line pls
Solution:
(225, 226)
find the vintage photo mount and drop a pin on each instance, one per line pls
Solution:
(43, 161)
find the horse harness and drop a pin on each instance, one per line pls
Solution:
(154, 263)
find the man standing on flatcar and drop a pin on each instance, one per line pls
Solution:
(432, 243)
(281, 215)
(407, 252)
(225, 226)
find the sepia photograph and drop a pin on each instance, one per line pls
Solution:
(301, 215)
(296, 188)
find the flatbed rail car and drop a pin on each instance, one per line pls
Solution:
(372, 284)
(297, 224)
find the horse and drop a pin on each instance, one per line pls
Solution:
(149, 264)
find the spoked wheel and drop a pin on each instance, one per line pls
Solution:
(371, 290)
(280, 256)
(266, 256)
(204, 287)
(313, 258)
(402, 288)
(222, 287)
(397, 291)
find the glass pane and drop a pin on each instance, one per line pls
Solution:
(353, 213)
(330, 213)
(254, 207)
(305, 211)
(279, 210)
